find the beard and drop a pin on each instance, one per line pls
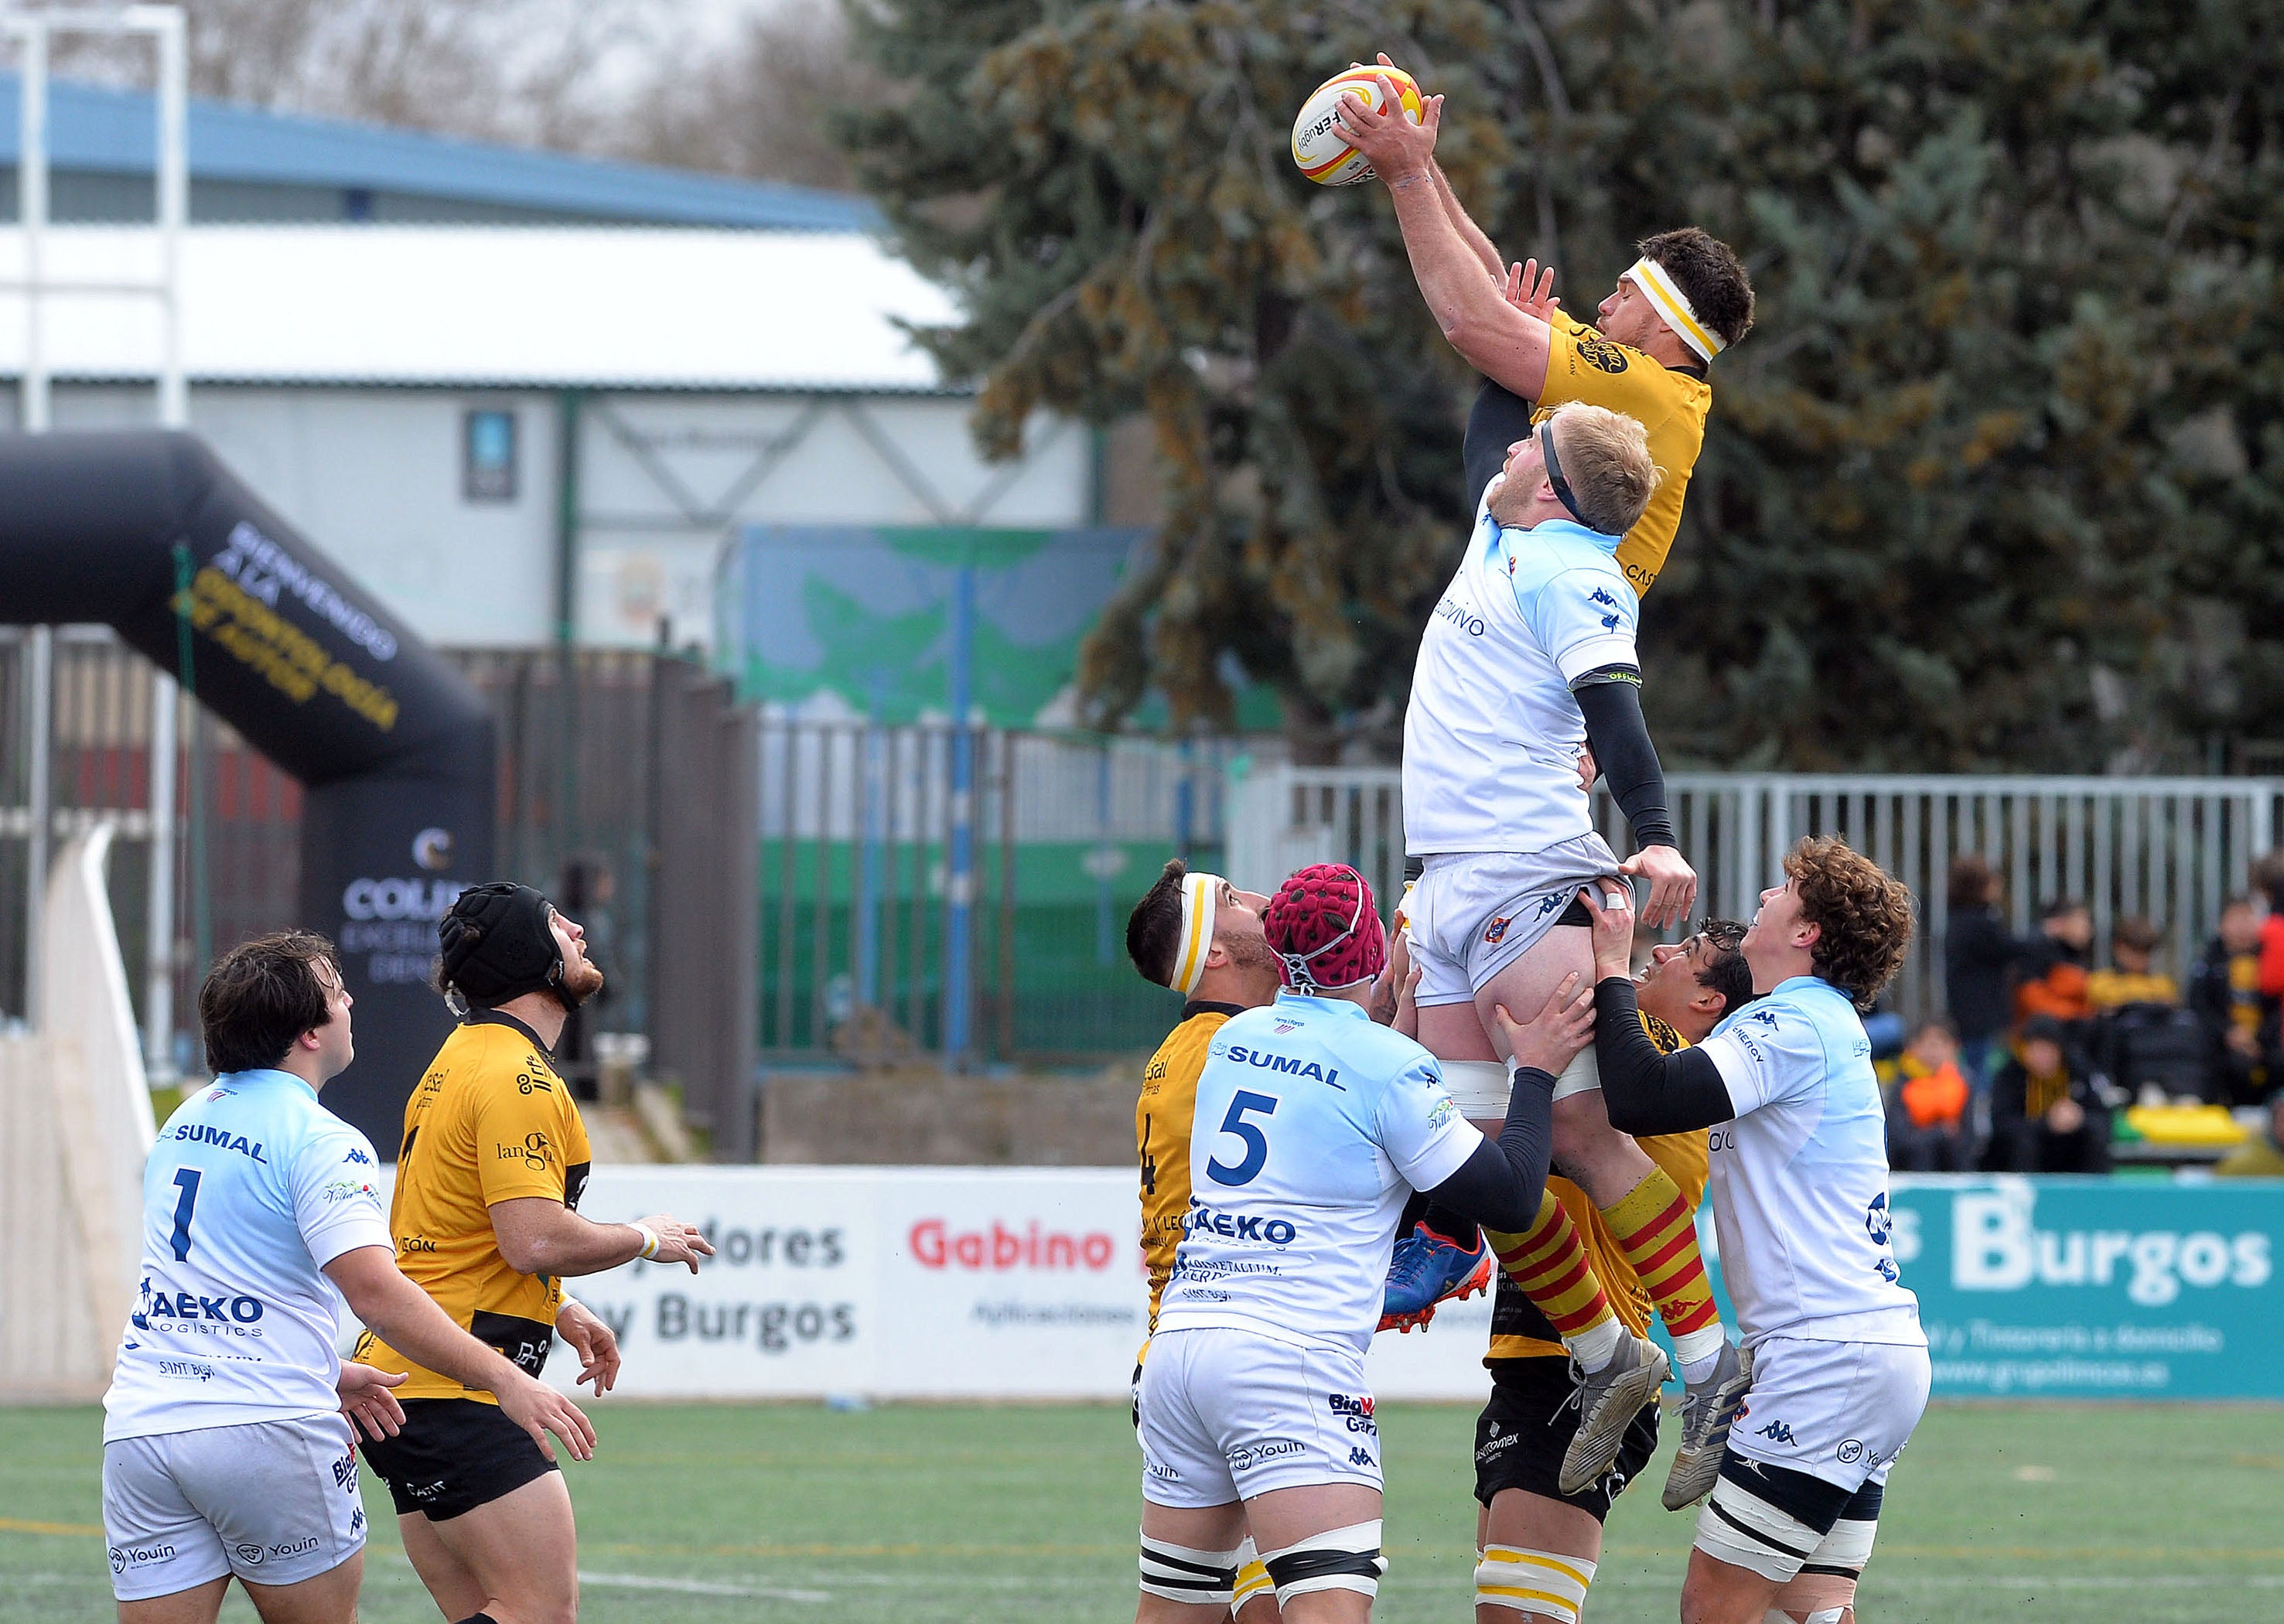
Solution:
(578, 984)
(1252, 953)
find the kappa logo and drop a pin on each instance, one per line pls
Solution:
(1602, 597)
(1548, 904)
(1361, 1456)
(1496, 929)
(359, 1157)
(1763, 1018)
(1777, 1431)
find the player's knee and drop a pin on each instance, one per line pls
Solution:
(1824, 1590)
(1337, 1560)
(1531, 1584)
(1181, 1573)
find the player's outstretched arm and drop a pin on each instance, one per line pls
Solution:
(1618, 738)
(1646, 1092)
(1507, 345)
(408, 1319)
(538, 1236)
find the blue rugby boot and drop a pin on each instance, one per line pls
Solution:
(1428, 1269)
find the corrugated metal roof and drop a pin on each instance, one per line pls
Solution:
(102, 130)
(522, 304)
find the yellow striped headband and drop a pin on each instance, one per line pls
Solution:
(1662, 291)
(1200, 892)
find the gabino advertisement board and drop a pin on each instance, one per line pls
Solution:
(1027, 1284)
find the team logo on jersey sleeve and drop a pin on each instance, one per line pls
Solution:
(1602, 595)
(1601, 354)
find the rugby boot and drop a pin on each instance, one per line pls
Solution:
(1708, 1407)
(1428, 1269)
(1609, 1400)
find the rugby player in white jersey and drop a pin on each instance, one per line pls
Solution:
(225, 1447)
(1530, 658)
(1312, 1126)
(1799, 1186)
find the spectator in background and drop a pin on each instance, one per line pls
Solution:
(1977, 952)
(2240, 1027)
(2132, 977)
(2055, 964)
(2263, 1157)
(2269, 876)
(1927, 1103)
(2045, 1115)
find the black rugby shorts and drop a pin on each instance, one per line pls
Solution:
(1526, 1426)
(453, 1456)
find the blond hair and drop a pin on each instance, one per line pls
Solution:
(1605, 457)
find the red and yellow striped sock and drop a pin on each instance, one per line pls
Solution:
(1549, 1263)
(1656, 1230)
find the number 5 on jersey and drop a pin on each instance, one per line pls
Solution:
(1248, 1134)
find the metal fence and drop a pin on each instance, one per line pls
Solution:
(2166, 849)
(601, 778)
(862, 942)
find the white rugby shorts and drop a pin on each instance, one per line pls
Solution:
(1474, 913)
(1841, 1411)
(273, 1502)
(1227, 1415)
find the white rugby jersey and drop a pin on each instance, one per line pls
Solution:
(1312, 1127)
(1799, 1180)
(252, 1188)
(1492, 734)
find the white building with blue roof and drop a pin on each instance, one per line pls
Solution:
(502, 386)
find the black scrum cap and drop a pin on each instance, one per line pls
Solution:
(496, 943)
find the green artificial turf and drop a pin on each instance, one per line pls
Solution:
(695, 1514)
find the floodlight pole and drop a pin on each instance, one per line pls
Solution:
(171, 174)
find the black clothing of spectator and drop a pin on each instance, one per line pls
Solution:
(2240, 1025)
(1977, 952)
(2050, 1119)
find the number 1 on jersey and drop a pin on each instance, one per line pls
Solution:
(1256, 1142)
(186, 1180)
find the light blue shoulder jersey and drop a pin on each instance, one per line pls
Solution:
(251, 1190)
(1312, 1127)
(1799, 1180)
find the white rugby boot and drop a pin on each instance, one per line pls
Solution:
(1607, 1403)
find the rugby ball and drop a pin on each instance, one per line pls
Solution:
(1319, 148)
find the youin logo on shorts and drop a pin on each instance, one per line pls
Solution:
(1779, 1430)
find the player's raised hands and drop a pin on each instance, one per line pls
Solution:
(1398, 150)
(1531, 291)
(1552, 1038)
(1673, 884)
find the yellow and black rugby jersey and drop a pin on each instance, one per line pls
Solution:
(1672, 405)
(1161, 1134)
(491, 1121)
(1519, 1331)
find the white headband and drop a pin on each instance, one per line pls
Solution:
(1200, 892)
(1662, 291)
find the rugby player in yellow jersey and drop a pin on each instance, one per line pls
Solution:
(1537, 1547)
(1200, 936)
(1683, 302)
(488, 1177)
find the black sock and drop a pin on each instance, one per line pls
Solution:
(1450, 1225)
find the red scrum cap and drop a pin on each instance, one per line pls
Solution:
(1325, 929)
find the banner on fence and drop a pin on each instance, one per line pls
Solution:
(2090, 1288)
(913, 1282)
(1027, 1283)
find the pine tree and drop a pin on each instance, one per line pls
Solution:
(1993, 484)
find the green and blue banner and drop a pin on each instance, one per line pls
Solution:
(2094, 1288)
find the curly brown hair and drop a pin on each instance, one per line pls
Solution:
(1863, 915)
